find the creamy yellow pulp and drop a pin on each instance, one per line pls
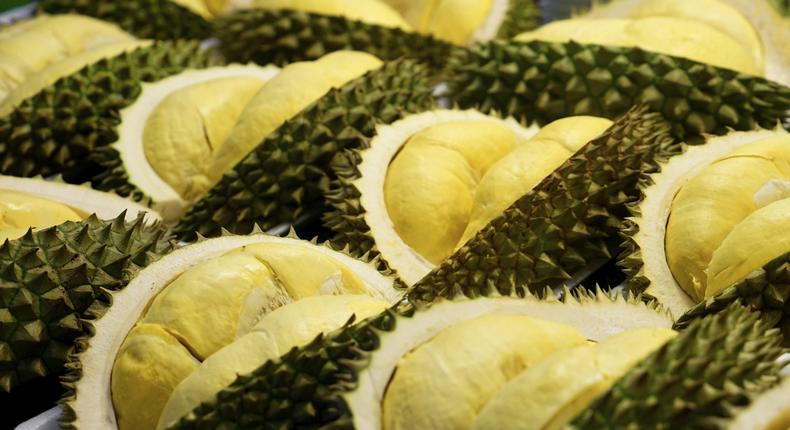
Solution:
(450, 180)
(20, 212)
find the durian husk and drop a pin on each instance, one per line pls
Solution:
(697, 379)
(55, 131)
(88, 402)
(286, 176)
(149, 19)
(541, 81)
(563, 227)
(285, 36)
(340, 378)
(56, 280)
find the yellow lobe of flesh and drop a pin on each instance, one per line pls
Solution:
(190, 126)
(292, 90)
(216, 7)
(20, 212)
(290, 326)
(368, 11)
(713, 202)
(549, 394)
(521, 170)
(467, 363)
(430, 184)
(456, 21)
(149, 365)
(681, 37)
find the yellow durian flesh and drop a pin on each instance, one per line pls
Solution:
(710, 205)
(374, 12)
(55, 38)
(216, 7)
(187, 129)
(292, 325)
(714, 13)
(549, 394)
(293, 89)
(520, 171)
(681, 37)
(20, 212)
(213, 303)
(456, 21)
(467, 363)
(430, 184)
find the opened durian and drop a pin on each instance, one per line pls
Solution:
(431, 181)
(154, 19)
(711, 227)
(558, 70)
(184, 328)
(55, 38)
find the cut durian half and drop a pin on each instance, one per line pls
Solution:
(162, 295)
(131, 146)
(647, 260)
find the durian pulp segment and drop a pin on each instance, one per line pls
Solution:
(20, 212)
(216, 7)
(292, 90)
(549, 394)
(457, 21)
(292, 325)
(468, 363)
(134, 118)
(375, 12)
(451, 178)
(45, 77)
(208, 306)
(721, 226)
(55, 38)
(592, 318)
(769, 411)
(681, 37)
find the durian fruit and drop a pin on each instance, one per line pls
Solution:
(284, 31)
(429, 182)
(710, 227)
(57, 279)
(538, 81)
(152, 19)
(55, 39)
(463, 22)
(768, 411)
(228, 303)
(285, 177)
(385, 371)
(54, 131)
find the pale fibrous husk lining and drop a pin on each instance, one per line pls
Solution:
(88, 401)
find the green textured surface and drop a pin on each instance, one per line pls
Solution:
(56, 130)
(148, 19)
(522, 16)
(286, 176)
(55, 280)
(696, 379)
(542, 81)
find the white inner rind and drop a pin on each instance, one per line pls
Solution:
(92, 395)
(82, 198)
(492, 24)
(656, 207)
(596, 319)
(408, 263)
(133, 120)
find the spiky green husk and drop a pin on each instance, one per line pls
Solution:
(522, 16)
(147, 19)
(766, 290)
(286, 176)
(542, 81)
(56, 130)
(284, 36)
(565, 225)
(783, 6)
(54, 280)
(696, 380)
(305, 388)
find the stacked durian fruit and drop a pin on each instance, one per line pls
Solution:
(576, 225)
